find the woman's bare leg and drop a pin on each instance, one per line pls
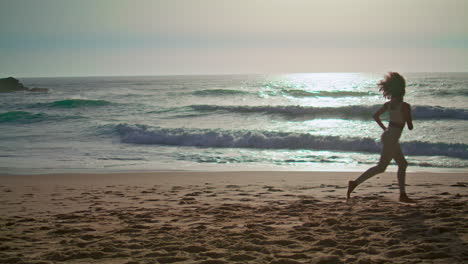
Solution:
(385, 158)
(366, 175)
(402, 164)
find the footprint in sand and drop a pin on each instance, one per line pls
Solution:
(152, 190)
(187, 200)
(194, 194)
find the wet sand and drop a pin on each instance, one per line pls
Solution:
(232, 217)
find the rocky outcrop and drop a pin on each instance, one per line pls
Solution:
(11, 84)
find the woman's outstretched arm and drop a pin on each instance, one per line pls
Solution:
(378, 114)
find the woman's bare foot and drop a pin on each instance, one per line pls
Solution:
(405, 199)
(351, 186)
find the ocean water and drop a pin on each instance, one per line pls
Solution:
(317, 121)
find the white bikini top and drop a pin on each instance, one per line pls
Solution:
(396, 115)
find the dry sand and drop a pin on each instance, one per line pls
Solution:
(232, 217)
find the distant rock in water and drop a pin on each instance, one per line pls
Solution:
(11, 84)
(38, 90)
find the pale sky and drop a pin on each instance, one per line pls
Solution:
(162, 37)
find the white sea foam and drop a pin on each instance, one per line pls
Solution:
(137, 134)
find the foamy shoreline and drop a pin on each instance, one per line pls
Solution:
(229, 217)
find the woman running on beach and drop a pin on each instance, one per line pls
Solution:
(393, 87)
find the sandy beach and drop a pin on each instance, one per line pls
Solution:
(232, 217)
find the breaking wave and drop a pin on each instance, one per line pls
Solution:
(139, 134)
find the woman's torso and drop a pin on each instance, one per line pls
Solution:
(396, 113)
